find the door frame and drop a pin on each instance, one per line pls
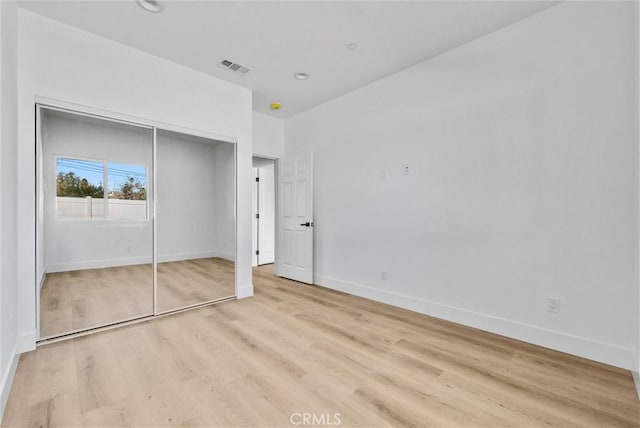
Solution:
(45, 103)
(275, 195)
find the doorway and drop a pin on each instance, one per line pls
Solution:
(264, 211)
(282, 234)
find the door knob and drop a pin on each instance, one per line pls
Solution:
(307, 224)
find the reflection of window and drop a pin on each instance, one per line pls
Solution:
(129, 182)
(81, 191)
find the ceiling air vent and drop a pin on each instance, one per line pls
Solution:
(235, 67)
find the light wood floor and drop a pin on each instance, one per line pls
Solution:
(193, 281)
(76, 300)
(294, 348)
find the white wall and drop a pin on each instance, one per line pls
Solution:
(195, 179)
(61, 62)
(224, 198)
(268, 136)
(8, 189)
(523, 154)
(71, 244)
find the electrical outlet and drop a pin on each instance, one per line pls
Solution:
(553, 305)
(407, 171)
(383, 275)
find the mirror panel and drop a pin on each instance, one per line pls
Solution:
(195, 209)
(96, 235)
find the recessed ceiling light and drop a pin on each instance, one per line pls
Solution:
(352, 46)
(153, 6)
(301, 76)
(275, 106)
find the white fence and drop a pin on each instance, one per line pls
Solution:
(87, 208)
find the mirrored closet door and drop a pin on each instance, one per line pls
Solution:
(96, 239)
(195, 211)
(133, 221)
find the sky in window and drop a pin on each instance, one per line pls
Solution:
(93, 171)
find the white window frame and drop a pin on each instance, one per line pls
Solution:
(105, 190)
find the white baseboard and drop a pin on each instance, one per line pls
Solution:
(192, 256)
(636, 380)
(107, 263)
(7, 380)
(594, 350)
(41, 277)
(226, 256)
(26, 342)
(244, 291)
(97, 264)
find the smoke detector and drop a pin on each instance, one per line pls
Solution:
(234, 66)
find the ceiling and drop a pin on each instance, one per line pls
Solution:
(275, 40)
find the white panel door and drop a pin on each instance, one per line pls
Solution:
(295, 218)
(267, 212)
(254, 220)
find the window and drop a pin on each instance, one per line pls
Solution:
(81, 191)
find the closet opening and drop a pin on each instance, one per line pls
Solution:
(133, 221)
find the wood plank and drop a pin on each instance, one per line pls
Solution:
(83, 299)
(295, 348)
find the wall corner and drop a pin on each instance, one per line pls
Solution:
(244, 291)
